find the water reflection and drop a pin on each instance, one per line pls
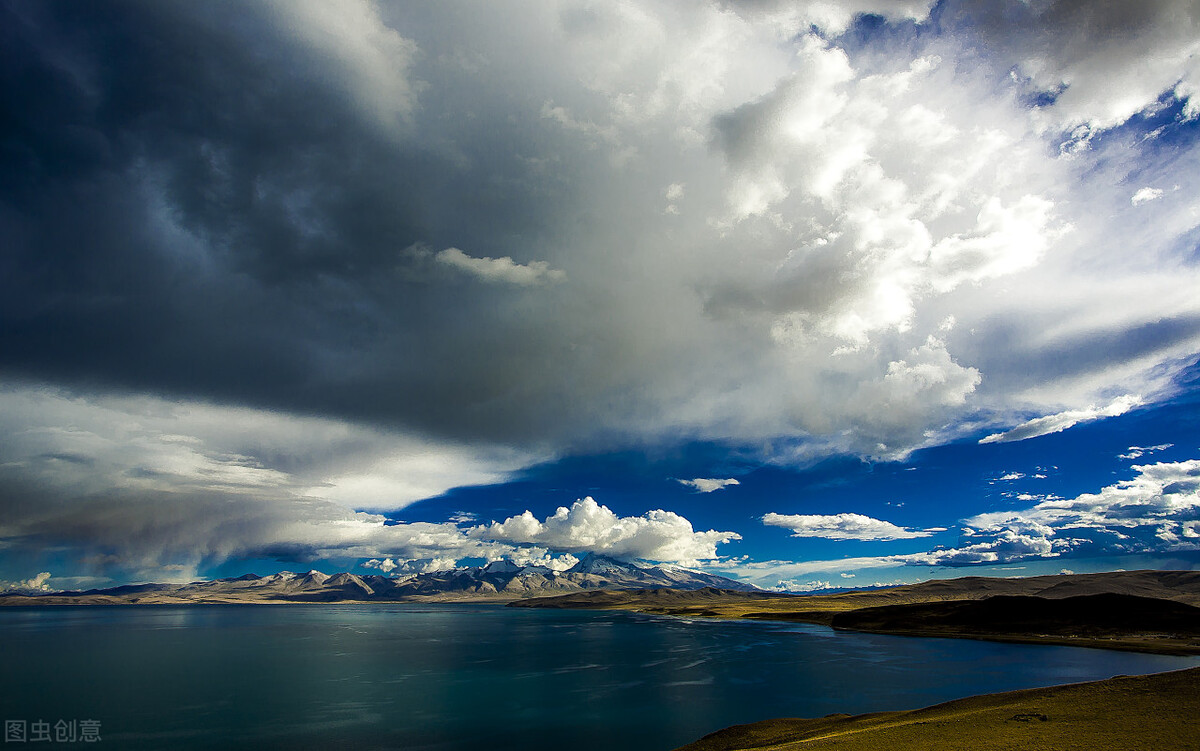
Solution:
(481, 676)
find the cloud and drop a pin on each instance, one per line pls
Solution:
(708, 485)
(1137, 452)
(1099, 65)
(86, 444)
(156, 488)
(792, 585)
(387, 565)
(1059, 422)
(1004, 546)
(133, 533)
(878, 240)
(140, 484)
(37, 583)
(842, 202)
(1146, 194)
(503, 270)
(535, 556)
(1158, 511)
(587, 526)
(769, 573)
(358, 52)
(833, 17)
(842, 527)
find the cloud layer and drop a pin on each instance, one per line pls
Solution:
(1057, 423)
(349, 260)
(141, 486)
(834, 271)
(587, 526)
(842, 527)
(1157, 511)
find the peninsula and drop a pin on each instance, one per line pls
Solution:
(1145, 611)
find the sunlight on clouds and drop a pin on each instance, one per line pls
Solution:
(38, 583)
(832, 16)
(779, 238)
(1153, 512)
(150, 444)
(587, 526)
(708, 484)
(843, 527)
(1146, 194)
(1137, 452)
(374, 61)
(414, 470)
(1059, 422)
(1106, 62)
(761, 221)
(501, 269)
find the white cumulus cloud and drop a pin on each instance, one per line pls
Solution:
(387, 565)
(37, 583)
(842, 527)
(1155, 512)
(708, 484)
(588, 526)
(1146, 194)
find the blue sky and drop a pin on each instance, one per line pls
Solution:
(809, 294)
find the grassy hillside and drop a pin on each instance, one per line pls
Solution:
(1160, 712)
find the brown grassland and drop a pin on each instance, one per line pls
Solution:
(1159, 712)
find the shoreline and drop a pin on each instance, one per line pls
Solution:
(1104, 620)
(1171, 648)
(1158, 710)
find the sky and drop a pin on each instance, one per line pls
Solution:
(811, 294)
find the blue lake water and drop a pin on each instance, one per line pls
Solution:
(478, 676)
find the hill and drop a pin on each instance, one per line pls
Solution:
(1101, 620)
(1160, 605)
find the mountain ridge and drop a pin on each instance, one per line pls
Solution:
(497, 580)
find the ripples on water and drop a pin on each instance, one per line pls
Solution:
(472, 676)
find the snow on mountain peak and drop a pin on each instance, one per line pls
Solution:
(595, 563)
(502, 566)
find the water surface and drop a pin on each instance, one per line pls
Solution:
(479, 676)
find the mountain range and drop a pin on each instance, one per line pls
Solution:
(499, 580)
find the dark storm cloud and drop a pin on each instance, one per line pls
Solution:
(713, 227)
(193, 206)
(263, 263)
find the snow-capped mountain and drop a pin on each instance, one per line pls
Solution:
(593, 563)
(498, 580)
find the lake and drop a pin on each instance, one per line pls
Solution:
(459, 676)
